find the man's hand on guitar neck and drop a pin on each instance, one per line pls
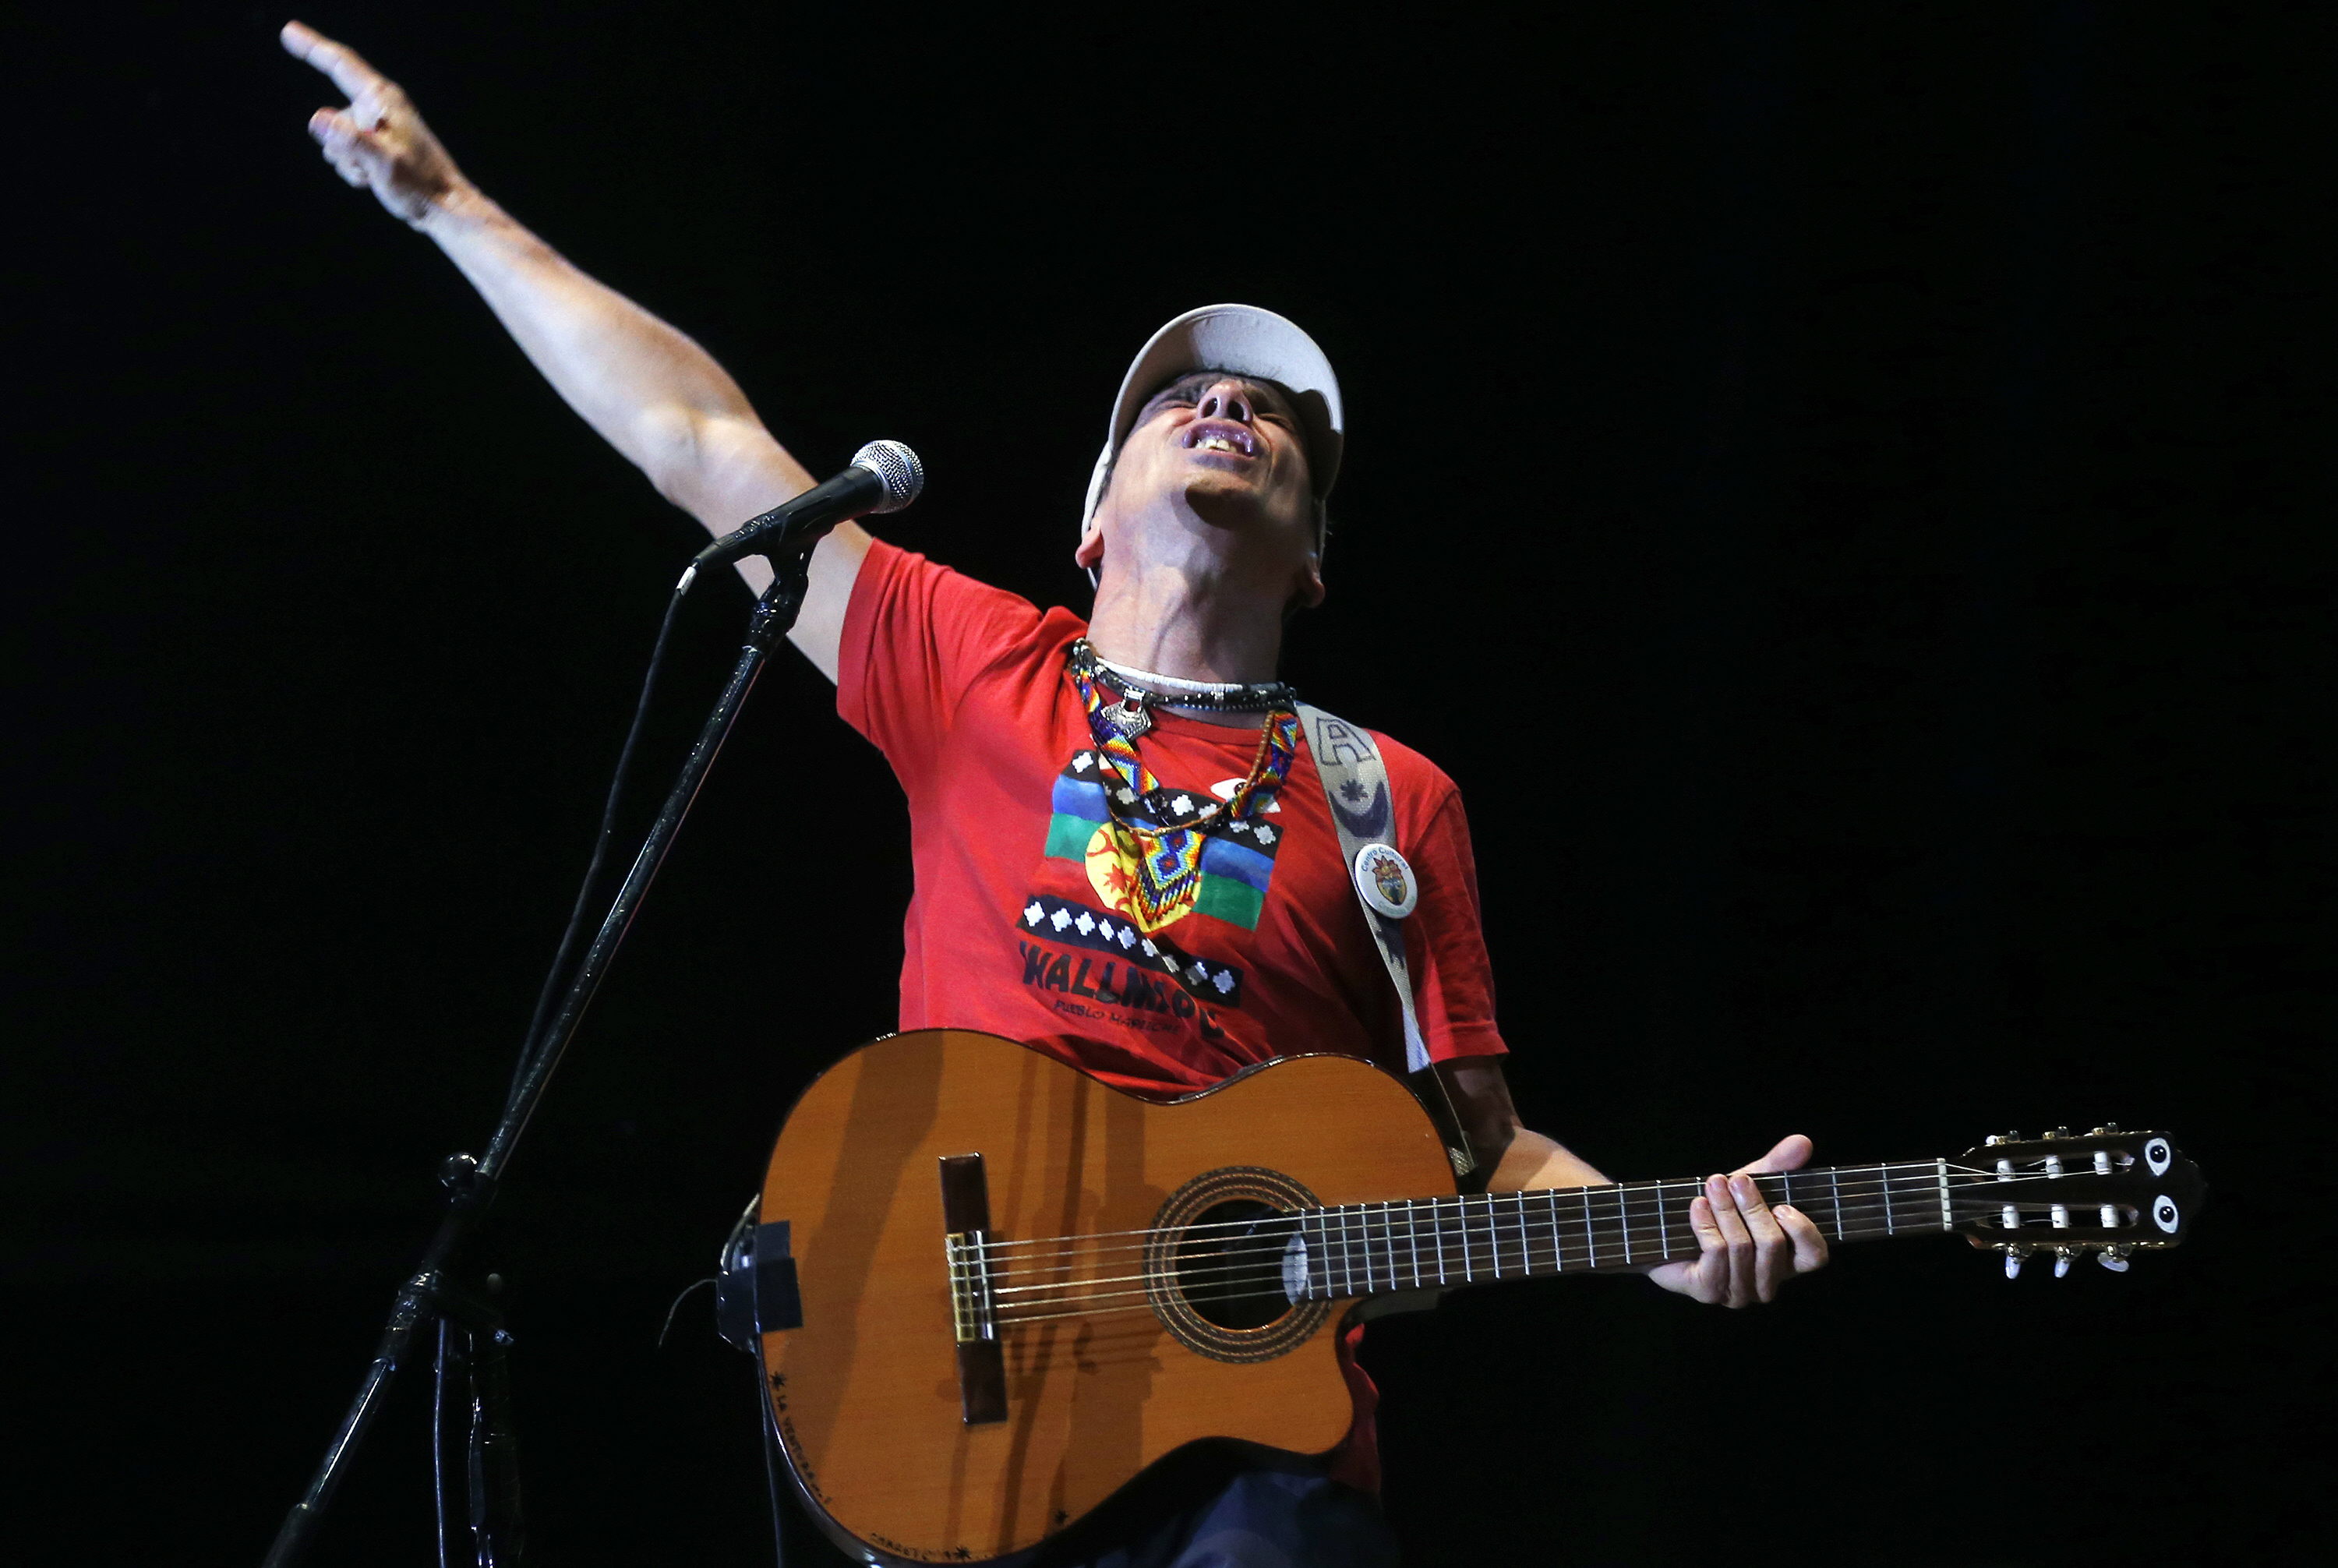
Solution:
(1747, 1248)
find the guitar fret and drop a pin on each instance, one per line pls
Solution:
(1590, 1233)
(1558, 1250)
(1493, 1235)
(1624, 1217)
(1884, 1176)
(1835, 1189)
(1412, 1241)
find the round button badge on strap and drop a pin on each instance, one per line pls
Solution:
(1386, 881)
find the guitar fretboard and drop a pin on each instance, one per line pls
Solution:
(1367, 1248)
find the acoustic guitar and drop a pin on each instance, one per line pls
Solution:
(989, 1291)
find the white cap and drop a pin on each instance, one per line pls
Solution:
(1247, 341)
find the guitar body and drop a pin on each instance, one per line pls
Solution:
(1113, 1367)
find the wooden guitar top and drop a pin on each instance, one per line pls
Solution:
(867, 1393)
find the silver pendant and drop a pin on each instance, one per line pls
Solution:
(1126, 718)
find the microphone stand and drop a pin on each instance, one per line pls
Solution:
(471, 1337)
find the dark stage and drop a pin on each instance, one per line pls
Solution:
(1845, 490)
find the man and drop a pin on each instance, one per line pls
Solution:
(1137, 775)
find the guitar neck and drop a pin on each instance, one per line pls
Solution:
(1428, 1243)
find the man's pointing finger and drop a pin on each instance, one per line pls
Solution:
(350, 72)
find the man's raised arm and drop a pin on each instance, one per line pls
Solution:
(651, 392)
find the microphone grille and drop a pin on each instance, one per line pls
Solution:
(897, 467)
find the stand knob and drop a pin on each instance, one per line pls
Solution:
(461, 1176)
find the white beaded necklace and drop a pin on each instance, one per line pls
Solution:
(1136, 676)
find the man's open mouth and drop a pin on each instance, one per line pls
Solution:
(1221, 435)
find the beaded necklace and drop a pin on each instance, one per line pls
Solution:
(1140, 691)
(1168, 855)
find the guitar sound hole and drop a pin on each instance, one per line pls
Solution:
(1230, 1266)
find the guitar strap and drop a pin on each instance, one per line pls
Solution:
(1363, 810)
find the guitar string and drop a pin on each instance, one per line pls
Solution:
(1501, 1250)
(1490, 1260)
(1482, 1247)
(1490, 1243)
(1338, 1284)
(1922, 1174)
(1507, 1250)
(1600, 1192)
(1010, 1319)
(1926, 1169)
(1493, 1235)
(1494, 1213)
(1523, 1256)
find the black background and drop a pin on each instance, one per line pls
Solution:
(1844, 489)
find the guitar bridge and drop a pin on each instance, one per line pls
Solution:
(974, 1309)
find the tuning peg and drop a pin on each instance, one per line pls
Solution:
(2015, 1257)
(2063, 1258)
(2106, 1128)
(1996, 1138)
(2114, 1259)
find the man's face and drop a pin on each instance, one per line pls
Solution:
(1229, 450)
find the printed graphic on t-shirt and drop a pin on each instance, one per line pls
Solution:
(1237, 854)
(1080, 897)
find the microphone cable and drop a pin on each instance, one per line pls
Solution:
(562, 955)
(883, 477)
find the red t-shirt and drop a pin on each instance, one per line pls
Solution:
(1016, 926)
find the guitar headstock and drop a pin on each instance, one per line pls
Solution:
(2108, 1192)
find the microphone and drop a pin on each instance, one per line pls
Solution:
(885, 476)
